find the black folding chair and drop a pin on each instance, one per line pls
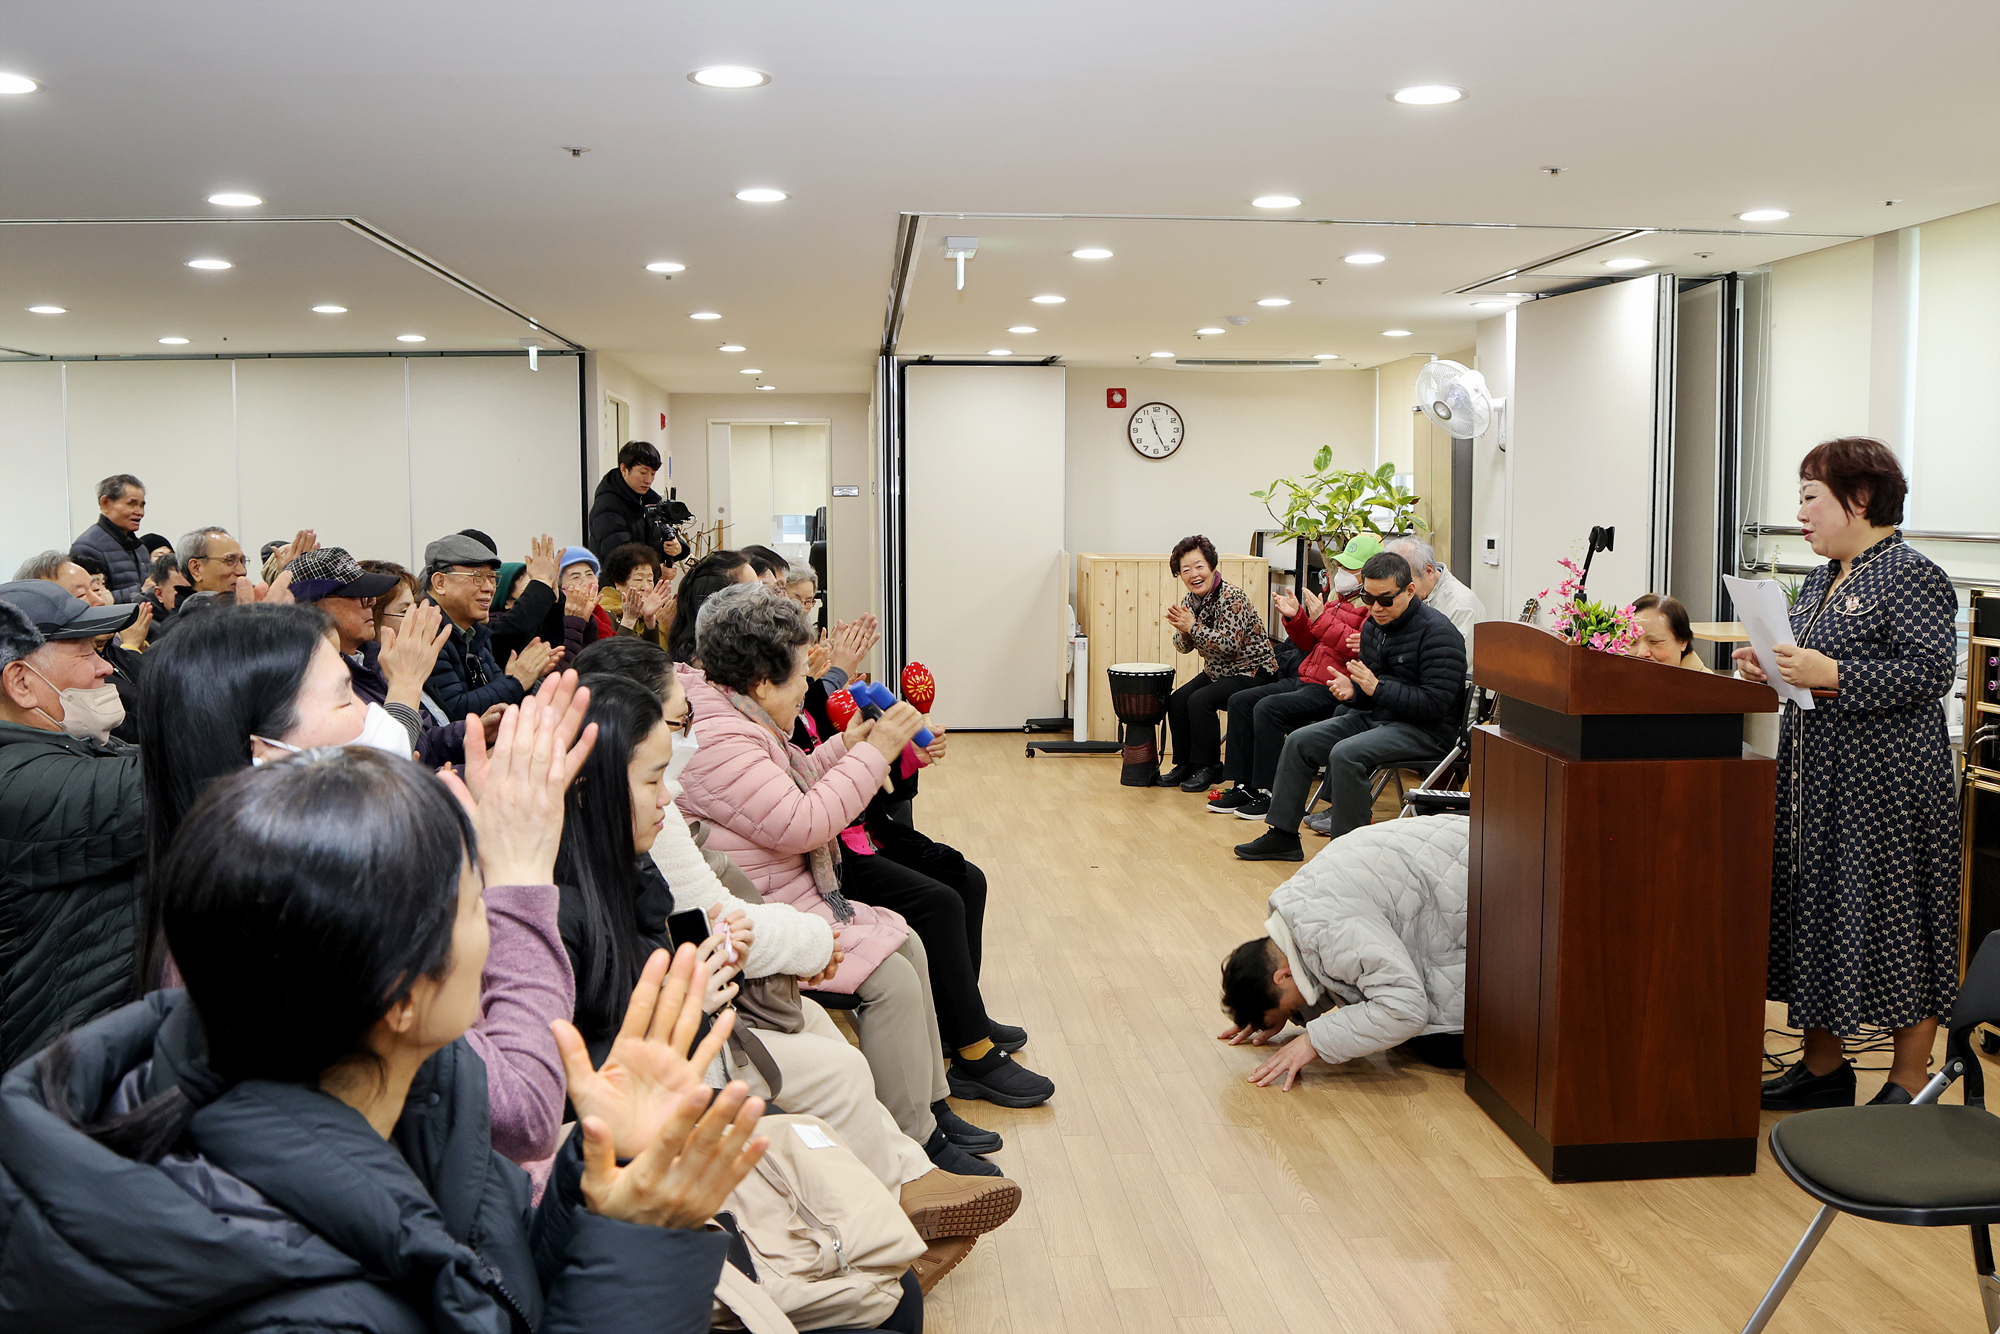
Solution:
(1921, 1165)
(1442, 787)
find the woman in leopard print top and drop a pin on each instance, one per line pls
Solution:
(1218, 622)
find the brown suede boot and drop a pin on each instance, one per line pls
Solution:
(941, 1204)
(942, 1257)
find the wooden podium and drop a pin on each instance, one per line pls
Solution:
(1619, 911)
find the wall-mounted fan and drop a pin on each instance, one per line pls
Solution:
(1454, 397)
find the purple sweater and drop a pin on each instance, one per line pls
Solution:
(527, 983)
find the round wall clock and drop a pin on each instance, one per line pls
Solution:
(1155, 430)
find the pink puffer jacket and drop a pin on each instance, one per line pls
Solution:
(739, 783)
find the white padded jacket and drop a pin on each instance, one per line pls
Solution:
(1374, 928)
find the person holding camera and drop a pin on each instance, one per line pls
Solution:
(626, 508)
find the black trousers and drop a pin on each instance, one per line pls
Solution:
(1260, 719)
(949, 919)
(1191, 714)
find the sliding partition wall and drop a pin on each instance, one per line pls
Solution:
(379, 454)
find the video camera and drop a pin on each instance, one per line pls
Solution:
(660, 524)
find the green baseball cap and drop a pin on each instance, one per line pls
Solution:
(1358, 549)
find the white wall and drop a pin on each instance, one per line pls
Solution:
(646, 402)
(1243, 429)
(1956, 474)
(983, 463)
(1495, 361)
(380, 454)
(1581, 439)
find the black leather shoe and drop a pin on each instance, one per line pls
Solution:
(963, 1133)
(1800, 1090)
(1892, 1095)
(1177, 775)
(1273, 845)
(1202, 779)
(1006, 1037)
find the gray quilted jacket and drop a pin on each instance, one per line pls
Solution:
(1374, 927)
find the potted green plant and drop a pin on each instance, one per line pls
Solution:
(1330, 506)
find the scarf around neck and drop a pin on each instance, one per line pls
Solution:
(823, 860)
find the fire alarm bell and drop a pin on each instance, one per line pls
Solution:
(1114, 398)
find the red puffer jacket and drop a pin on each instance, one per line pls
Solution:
(1325, 640)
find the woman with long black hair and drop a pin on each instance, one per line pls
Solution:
(615, 905)
(299, 1140)
(713, 572)
(242, 686)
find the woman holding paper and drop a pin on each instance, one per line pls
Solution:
(1864, 895)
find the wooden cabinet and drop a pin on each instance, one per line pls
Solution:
(1121, 605)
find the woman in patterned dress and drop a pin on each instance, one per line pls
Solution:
(1864, 894)
(1218, 622)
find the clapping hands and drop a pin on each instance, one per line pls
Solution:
(514, 792)
(645, 1104)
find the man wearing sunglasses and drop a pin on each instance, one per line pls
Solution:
(1400, 702)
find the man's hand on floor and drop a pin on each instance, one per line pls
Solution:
(1288, 1064)
(1249, 1033)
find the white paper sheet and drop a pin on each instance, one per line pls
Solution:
(1760, 605)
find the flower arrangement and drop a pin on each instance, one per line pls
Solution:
(1595, 625)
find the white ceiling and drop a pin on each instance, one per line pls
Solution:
(444, 124)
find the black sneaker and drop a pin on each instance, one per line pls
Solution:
(963, 1133)
(998, 1078)
(1800, 1090)
(1276, 845)
(1233, 800)
(1177, 775)
(1201, 779)
(1892, 1095)
(1006, 1037)
(949, 1157)
(1256, 808)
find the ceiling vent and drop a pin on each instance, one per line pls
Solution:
(1245, 364)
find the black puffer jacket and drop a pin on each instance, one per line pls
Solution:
(468, 679)
(288, 1212)
(126, 564)
(72, 847)
(615, 513)
(1419, 659)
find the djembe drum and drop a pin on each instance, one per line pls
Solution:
(1139, 693)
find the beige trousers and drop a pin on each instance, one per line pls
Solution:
(824, 1076)
(897, 1025)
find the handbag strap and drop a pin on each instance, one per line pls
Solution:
(746, 1044)
(751, 1304)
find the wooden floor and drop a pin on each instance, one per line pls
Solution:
(1165, 1195)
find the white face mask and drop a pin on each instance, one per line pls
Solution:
(379, 731)
(87, 714)
(684, 749)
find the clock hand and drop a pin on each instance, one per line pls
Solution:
(1156, 429)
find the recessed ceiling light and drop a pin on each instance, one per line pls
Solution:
(210, 264)
(12, 85)
(766, 388)
(1048, 300)
(1427, 95)
(760, 195)
(730, 347)
(1274, 201)
(1627, 262)
(705, 315)
(1275, 301)
(791, 423)
(47, 310)
(1022, 328)
(1162, 355)
(1326, 356)
(173, 342)
(1210, 330)
(1364, 257)
(1395, 333)
(1092, 253)
(1763, 215)
(235, 199)
(729, 76)
(329, 310)
(751, 370)
(666, 266)
(999, 351)
(409, 338)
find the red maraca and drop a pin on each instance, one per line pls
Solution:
(919, 687)
(841, 708)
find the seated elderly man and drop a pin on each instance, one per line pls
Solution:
(459, 576)
(1364, 948)
(1440, 588)
(72, 819)
(1401, 702)
(212, 560)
